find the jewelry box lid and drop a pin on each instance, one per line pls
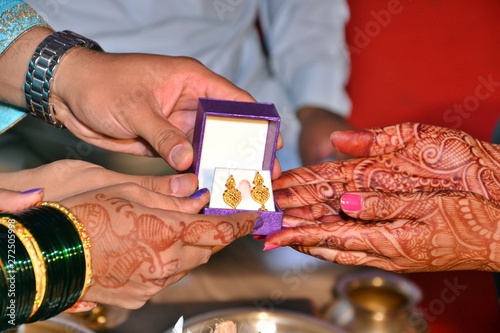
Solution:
(231, 134)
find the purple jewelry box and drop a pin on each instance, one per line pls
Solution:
(236, 135)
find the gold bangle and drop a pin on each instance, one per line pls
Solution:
(36, 257)
(84, 237)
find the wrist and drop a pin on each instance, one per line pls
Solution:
(42, 68)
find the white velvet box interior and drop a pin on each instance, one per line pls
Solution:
(231, 143)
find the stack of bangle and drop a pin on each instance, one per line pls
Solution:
(46, 265)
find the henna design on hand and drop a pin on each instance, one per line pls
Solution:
(139, 244)
(403, 158)
(423, 231)
(440, 207)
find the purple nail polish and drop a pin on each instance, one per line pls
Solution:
(259, 222)
(33, 190)
(198, 194)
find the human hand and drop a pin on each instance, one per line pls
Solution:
(404, 232)
(140, 104)
(402, 158)
(65, 178)
(314, 139)
(143, 241)
(14, 201)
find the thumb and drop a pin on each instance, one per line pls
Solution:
(167, 140)
(13, 201)
(376, 141)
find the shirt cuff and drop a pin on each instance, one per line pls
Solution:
(16, 18)
(9, 116)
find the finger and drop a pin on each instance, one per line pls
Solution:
(80, 306)
(382, 238)
(221, 88)
(316, 211)
(377, 141)
(349, 258)
(134, 146)
(209, 230)
(13, 201)
(181, 185)
(323, 172)
(295, 221)
(276, 169)
(155, 200)
(280, 142)
(170, 142)
(390, 206)
(300, 196)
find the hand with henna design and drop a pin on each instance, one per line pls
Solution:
(430, 201)
(403, 158)
(404, 232)
(143, 241)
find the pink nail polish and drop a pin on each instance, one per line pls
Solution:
(270, 247)
(351, 202)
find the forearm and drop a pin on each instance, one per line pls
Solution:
(14, 64)
(22, 29)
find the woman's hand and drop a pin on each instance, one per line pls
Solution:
(15, 201)
(65, 178)
(402, 158)
(403, 232)
(143, 241)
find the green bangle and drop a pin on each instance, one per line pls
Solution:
(63, 255)
(19, 289)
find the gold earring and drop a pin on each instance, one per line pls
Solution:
(260, 193)
(231, 196)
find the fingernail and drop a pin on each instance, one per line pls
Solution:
(180, 182)
(33, 190)
(198, 194)
(270, 247)
(351, 202)
(259, 237)
(259, 222)
(179, 154)
(285, 226)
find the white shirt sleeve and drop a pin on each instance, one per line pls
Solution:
(306, 45)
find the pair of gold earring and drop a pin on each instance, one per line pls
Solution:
(260, 193)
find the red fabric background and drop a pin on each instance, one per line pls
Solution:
(415, 64)
(427, 61)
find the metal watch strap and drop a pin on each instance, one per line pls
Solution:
(42, 67)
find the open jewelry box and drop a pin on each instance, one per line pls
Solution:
(234, 150)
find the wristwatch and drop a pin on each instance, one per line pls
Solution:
(42, 67)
